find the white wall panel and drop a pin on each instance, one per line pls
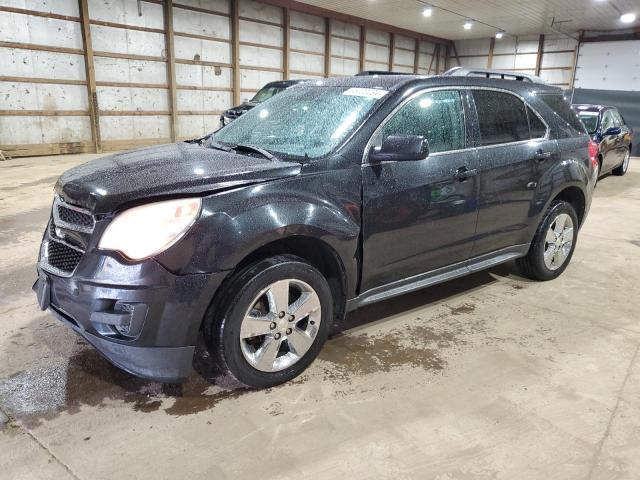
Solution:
(260, 57)
(377, 53)
(185, 21)
(129, 71)
(306, 63)
(378, 36)
(134, 127)
(405, 42)
(402, 57)
(202, 50)
(203, 76)
(345, 48)
(260, 11)
(255, 79)
(193, 126)
(473, 47)
(376, 66)
(341, 66)
(307, 41)
(343, 29)
(59, 7)
(116, 99)
(304, 20)
(526, 61)
(119, 40)
(126, 11)
(214, 5)
(16, 27)
(203, 100)
(259, 33)
(42, 96)
(41, 129)
(18, 62)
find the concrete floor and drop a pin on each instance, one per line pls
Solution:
(491, 376)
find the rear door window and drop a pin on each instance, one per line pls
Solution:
(502, 117)
(438, 116)
(568, 120)
(537, 127)
(619, 121)
(607, 121)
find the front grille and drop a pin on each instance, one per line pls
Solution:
(75, 217)
(62, 256)
(67, 234)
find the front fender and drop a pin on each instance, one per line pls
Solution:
(323, 205)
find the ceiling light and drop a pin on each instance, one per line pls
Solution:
(468, 25)
(427, 12)
(499, 35)
(628, 18)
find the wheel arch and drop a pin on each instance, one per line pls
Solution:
(576, 198)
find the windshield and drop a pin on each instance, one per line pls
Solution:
(309, 120)
(590, 120)
(266, 93)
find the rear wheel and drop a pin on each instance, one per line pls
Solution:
(553, 243)
(270, 322)
(622, 169)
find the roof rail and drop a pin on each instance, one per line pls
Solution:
(487, 73)
(370, 73)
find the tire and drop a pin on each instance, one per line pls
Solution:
(239, 327)
(622, 169)
(535, 264)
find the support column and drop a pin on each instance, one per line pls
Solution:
(94, 112)
(171, 68)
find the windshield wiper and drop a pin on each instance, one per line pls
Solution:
(253, 148)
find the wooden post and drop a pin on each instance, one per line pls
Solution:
(447, 51)
(171, 68)
(286, 41)
(433, 56)
(392, 48)
(540, 53)
(438, 60)
(455, 52)
(94, 113)
(235, 50)
(327, 47)
(363, 46)
(492, 45)
(416, 57)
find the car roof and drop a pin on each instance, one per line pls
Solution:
(397, 82)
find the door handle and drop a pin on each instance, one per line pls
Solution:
(541, 156)
(463, 173)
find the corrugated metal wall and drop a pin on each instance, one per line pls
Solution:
(92, 75)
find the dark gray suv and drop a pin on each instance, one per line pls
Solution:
(329, 196)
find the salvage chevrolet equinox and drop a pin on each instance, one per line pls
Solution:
(327, 197)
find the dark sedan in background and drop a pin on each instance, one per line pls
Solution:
(611, 134)
(265, 93)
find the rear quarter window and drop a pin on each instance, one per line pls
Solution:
(567, 119)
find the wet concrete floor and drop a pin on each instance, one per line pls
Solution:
(490, 376)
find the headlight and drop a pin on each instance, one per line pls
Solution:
(141, 232)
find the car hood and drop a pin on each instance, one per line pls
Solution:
(104, 184)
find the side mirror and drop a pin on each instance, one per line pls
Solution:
(400, 147)
(612, 131)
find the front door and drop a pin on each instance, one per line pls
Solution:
(420, 215)
(609, 146)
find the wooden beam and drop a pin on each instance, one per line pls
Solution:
(171, 68)
(286, 41)
(416, 57)
(492, 45)
(539, 54)
(235, 49)
(327, 47)
(455, 52)
(433, 57)
(446, 57)
(363, 46)
(392, 49)
(438, 59)
(94, 116)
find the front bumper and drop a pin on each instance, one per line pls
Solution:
(141, 317)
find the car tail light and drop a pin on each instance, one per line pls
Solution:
(593, 154)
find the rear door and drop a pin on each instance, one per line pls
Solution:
(420, 215)
(623, 137)
(514, 152)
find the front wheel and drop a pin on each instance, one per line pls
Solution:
(553, 243)
(270, 322)
(622, 169)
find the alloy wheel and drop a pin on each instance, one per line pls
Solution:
(558, 241)
(625, 162)
(280, 325)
